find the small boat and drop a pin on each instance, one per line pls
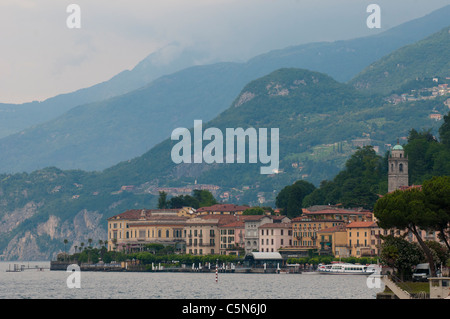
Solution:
(347, 269)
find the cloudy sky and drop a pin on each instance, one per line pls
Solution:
(41, 57)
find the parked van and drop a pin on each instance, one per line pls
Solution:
(422, 272)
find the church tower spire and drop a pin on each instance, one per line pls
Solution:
(398, 168)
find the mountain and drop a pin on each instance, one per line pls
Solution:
(97, 135)
(320, 120)
(169, 59)
(424, 59)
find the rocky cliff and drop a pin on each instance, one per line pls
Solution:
(46, 239)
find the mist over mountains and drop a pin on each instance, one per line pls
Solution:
(137, 109)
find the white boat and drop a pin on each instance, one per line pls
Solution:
(347, 269)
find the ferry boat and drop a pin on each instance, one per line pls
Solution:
(346, 269)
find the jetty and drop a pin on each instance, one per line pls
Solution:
(20, 268)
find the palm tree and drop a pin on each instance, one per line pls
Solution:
(65, 252)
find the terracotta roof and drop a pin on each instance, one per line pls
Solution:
(237, 224)
(221, 219)
(362, 224)
(336, 211)
(276, 225)
(254, 217)
(332, 229)
(222, 208)
(405, 188)
(137, 213)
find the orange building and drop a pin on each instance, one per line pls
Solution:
(363, 239)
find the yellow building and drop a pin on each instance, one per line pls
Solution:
(363, 238)
(133, 229)
(333, 240)
(305, 230)
(347, 215)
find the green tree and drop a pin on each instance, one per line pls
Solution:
(441, 253)
(183, 201)
(407, 210)
(358, 185)
(444, 131)
(162, 200)
(437, 194)
(290, 198)
(400, 254)
(204, 197)
(65, 251)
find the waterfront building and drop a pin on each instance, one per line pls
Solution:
(335, 213)
(263, 260)
(202, 233)
(305, 229)
(333, 241)
(273, 236)
(252, 224)
(362, 239)
(133, 229)
(232, 237)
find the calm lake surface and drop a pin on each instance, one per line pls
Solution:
(46, 284)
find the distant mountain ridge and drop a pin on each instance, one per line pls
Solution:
(17, 117)
(100, 134)
(423, 59)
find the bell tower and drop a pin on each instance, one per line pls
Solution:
(398, 168)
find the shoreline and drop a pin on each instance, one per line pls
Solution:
(62, 266)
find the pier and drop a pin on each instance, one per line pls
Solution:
(20, 268)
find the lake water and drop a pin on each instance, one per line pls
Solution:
(46, 284)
